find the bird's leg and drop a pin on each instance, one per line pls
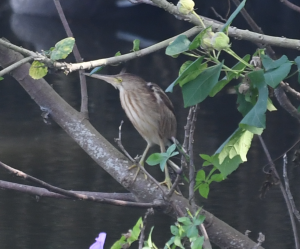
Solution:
(167, 180)
(141, 163)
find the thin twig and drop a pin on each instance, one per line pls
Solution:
(78, 58)
(175, 184)
(287, 189)
(228, 9)
(43, 192)
(142, 1)
(291, 5)
(218, 15)
(72, 194)
(191, 154)
(274, 171)
(150, 211)
(187, 128)
(286, 87)
(15, 65)
(194, 109)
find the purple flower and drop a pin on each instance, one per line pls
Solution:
(99, 241)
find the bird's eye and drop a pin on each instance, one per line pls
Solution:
(119, 80)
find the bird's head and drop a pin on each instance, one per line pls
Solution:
(123, 80)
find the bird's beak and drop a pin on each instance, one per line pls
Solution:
(114, 80)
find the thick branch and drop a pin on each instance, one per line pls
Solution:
(234, 32)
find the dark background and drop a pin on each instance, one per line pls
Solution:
(46, 152)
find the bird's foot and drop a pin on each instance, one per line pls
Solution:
(167, 182)
(132, 166)
(138, 170)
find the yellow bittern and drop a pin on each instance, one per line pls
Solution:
(148, 108)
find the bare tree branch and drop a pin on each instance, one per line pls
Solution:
(74, 195)
(42, 192)
(78, 58)
(291, 5)
(288, 190)
(15, 65)
(274, 172)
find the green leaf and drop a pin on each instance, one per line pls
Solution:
(198, 220)
(269, 64)
(229, 76)
(233, 15)
(163, 163)
(270, 106)
(198, 39)
(190, 73)
(149, 238)
(297, 60)
(155, 159)
(174, 153)
(174, 230)
(169, 243)
(184, 220)
(256, 117)
(204, 190)
(135, 231)
(171, 149)
(192, 232)
(200, 176)
(205, 157)
(184, 66)
(177, 242)
(197, 244)
(62, 49)
(244, 106)
(198, 89)
(96, 69)
(228, 165)
(216, 178)
(1, 78)
(38, 70)
(275, 76)
(238, 145)
(118, 54)
(206, 163)
(136, 45)
(179, 45)
(119, 243)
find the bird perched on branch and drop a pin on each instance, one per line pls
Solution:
(148, 108)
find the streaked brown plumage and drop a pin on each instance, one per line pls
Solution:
(148, 108)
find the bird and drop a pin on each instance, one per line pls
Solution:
(148, 108)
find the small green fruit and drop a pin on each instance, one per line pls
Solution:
(220, 41)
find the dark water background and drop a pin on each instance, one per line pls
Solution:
(46, 151)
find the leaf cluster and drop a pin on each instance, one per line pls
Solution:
(61, 50)
(186, 228)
